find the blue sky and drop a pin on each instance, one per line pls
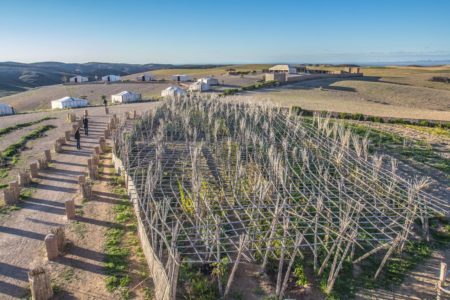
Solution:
(227, 31)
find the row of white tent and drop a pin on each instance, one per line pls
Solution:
(72, 102)
(106, 78)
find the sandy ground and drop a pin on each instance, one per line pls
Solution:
(419, 284)
(361, 96)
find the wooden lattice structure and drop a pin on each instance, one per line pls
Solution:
(217, 178)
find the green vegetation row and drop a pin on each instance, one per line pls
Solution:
(121, 243)
(362, 117)
(9, 129)
(14, 149)
(419, 151)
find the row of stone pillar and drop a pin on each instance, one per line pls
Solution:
(11, 194)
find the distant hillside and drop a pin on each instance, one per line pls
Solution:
(19, 77)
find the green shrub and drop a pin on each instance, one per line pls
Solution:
(300, 277)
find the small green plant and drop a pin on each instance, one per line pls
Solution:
(300, 277)
(186, 202)
(149, 293)
(3, 173)
(26, 193)
(196, 285)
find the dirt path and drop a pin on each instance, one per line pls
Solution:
(22, 233)
(79, 273)
(419, 284)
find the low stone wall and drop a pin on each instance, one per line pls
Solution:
(164, 289)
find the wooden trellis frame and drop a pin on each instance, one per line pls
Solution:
(210, 174)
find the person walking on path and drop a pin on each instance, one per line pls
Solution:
(86, 125)
(78, 137)
(105, 103)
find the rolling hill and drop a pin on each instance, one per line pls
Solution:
(18, 77)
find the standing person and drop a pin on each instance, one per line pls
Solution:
(105, 103)
(78, 137)
(85, 125)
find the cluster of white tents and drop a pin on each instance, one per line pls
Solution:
(203, 84)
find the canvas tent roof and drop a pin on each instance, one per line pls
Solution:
(122, 93)
(5, 109)
(68, 99)
(67, 102)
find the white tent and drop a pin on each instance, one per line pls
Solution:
(283, 69)
(125, 97)
(199, 86)
(5, 109)
(146, 77)
(181, 77)
(69, 102)
(209, 80)
(173, 91)
(78, 79)
(111, 78)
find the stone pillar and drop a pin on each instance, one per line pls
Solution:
(106, 133)
(23, 178)
(40, 284)
(51, 245)
(70, 209)
(62, 140)
(81, 179)
(8, 196)
(67, 135)
(15, 190)
(42, 163)
(134, 114)
(58, 232)
(102, 143)
(97, 150)
(86, 190)
(34, 170)
(57, 146)
(48, 155)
